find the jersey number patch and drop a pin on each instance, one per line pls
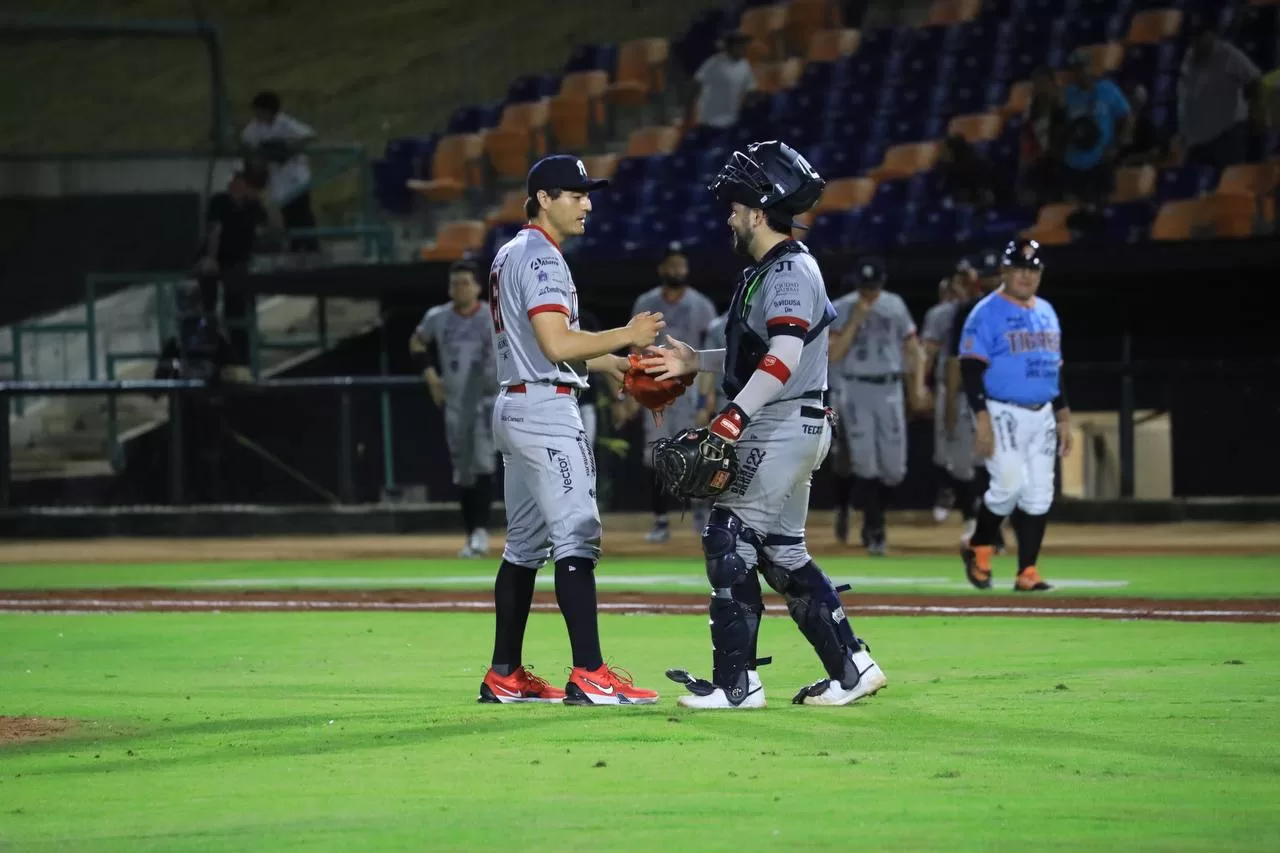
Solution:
(495, 309)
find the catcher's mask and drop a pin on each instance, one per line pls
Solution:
(695, 465)
(772, 177)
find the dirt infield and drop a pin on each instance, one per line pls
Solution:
(173, 600)
(21, 729)
(909, 533)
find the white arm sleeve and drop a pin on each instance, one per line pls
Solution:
(711, 361)
(764, 387)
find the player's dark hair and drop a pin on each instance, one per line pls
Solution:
(464, 265)
(531, 206)
(780, 224)
(268, 101)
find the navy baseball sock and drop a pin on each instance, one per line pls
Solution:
(988, 532)
(512, 596)
(576, 595)
(844, 491)
(467, 498)
(1029, 529)
(885, 494)
(872, 509)
(483, 498)
(966, 499)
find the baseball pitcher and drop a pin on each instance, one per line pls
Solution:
(542, 358)
(1011, 361)
(687, 314)
(875, 347)
(758, 454)
(454, 348)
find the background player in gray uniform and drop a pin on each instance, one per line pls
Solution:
(875, 347)
(775, 372)
(543, 357)
(711, 397)
(454, 345)
(934, 331)
(687, 314)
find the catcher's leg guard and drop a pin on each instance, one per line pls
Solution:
(814, 604)
(736, 604)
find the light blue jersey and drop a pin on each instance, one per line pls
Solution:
(1022, 345)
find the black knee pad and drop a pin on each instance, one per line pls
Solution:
(725, 567)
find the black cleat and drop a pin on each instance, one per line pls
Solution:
(976, 575)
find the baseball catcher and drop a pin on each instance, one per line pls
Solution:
(757, 456)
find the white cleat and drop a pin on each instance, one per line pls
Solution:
(717, 700)
(659, 534)
(970, 528)
(828, 692)
(479, 542)
(467, 553)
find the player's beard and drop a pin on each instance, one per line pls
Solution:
(742, 244)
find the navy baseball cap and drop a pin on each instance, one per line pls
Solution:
(562, 172)
(987, 263)
(869, 271)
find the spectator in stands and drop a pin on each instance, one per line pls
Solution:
(967, 177)
(1040, 141)
(1145, 146)
(277, 140)
(1216, 88)
(231, 228)
(1099, 122)
(722, 85)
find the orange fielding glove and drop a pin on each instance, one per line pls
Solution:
(652, 393)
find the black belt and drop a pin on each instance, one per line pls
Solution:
(812, 413)
(807, 395)
(1028, 406)
(883, 379)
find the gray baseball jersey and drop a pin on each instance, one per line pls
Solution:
(549, 485)
(687, 320)
(872, 405)
(936, 329)
(464, 344)
(715, 340)
(529, 276)
(877, 347)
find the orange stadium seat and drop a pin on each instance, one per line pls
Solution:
(1055, 215)
(845, 194)
(642, 71)
(1248, 179)
(1154, 26)
(1228, 214)
(772, 77)
(577, 110)
(519, 136)
(647, 141)
(976, 127)
(765, 24)
(830, 45)
(1176, 220)
(907, 159)
(806, 18)
(945, 12)
(454, 240)
(1134, 183)
(1104, 58)
(1019, 99)
(1049, 235)
(510, 212)
(601, 166)
(455, 167)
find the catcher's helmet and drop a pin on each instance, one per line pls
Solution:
(770, 176)
(1022, 254)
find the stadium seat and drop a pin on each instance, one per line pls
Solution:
(945, 12)
(772, 77)
(496, 236)
(1128, 222)
(936, 226)
(455, 167)
(1055, 215)
(1249, 179)
(642, 71)
(589, 57)
(1104, 58)
(577, 110)
(1154, 26)
(473, 118)
(1086, 31)
(509, 212)
(765, 26)
(996, 224)
(532, 87)
(1048, 235)
(1176, 220)
(907, 159)
(601, 165)
(1019, 99)
(389, 189)
(519, 136)
(1181, 182)
(454, 240)
(1134, 183)
(830, 45)
(805, 18)
(1228, 214)
(976, 127)
(656, 139)
(846, 194)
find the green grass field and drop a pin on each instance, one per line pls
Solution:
(359, 731)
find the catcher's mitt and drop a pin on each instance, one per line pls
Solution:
(695, 464)
(654, 394)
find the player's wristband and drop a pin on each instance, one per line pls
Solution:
(1060, 401)
(729, 424)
